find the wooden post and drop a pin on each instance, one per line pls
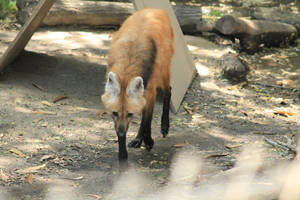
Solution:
(26, 33)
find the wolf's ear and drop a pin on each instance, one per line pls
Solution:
(112, 86)
(135, 88)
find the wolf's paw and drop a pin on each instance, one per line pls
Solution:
(164, 130)
(148, 143)
(136, 143)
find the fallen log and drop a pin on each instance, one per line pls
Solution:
(276, 14)
(78, 12)
(253, 33)
(102, 13)
(204, 26)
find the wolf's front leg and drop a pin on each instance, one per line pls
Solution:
(123, 155)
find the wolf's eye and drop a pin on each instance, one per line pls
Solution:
(129, 115)
(115, 114)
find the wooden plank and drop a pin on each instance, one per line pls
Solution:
(25, 33)
(182, 67)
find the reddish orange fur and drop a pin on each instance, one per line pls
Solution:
(125, 58)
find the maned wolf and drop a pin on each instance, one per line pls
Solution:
(138, 63)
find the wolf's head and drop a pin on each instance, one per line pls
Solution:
(123, 101)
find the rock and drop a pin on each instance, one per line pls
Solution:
(233, 68)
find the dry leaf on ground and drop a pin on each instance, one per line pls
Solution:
(283, 113)
(31, 169)
(288, 82)
(37, 120)
(180, 145)
(282, 57)
(245, 113)
(232, 146)
(267, 57)
(100, 113)
(46, 103)
(96, 196)
(59, 98)
(47, 157)
(17, 152)
(44, 112)
(188, 109)
(29, 178)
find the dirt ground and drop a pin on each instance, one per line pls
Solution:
(67, 150)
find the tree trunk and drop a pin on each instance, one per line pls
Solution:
(253, 33)
(276, 14)
(102, 13)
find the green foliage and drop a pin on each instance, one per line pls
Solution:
(7, 7)
(215, 13)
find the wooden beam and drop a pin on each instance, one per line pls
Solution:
(26, 33)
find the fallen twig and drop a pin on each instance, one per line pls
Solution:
(281, 145)
(31, 169)
(38, 87)
(188, 109)
(44, 112)
(292, 148)
(98, 197)
(264, 133)
(74, 179)
(273, 86)
(217, 155)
